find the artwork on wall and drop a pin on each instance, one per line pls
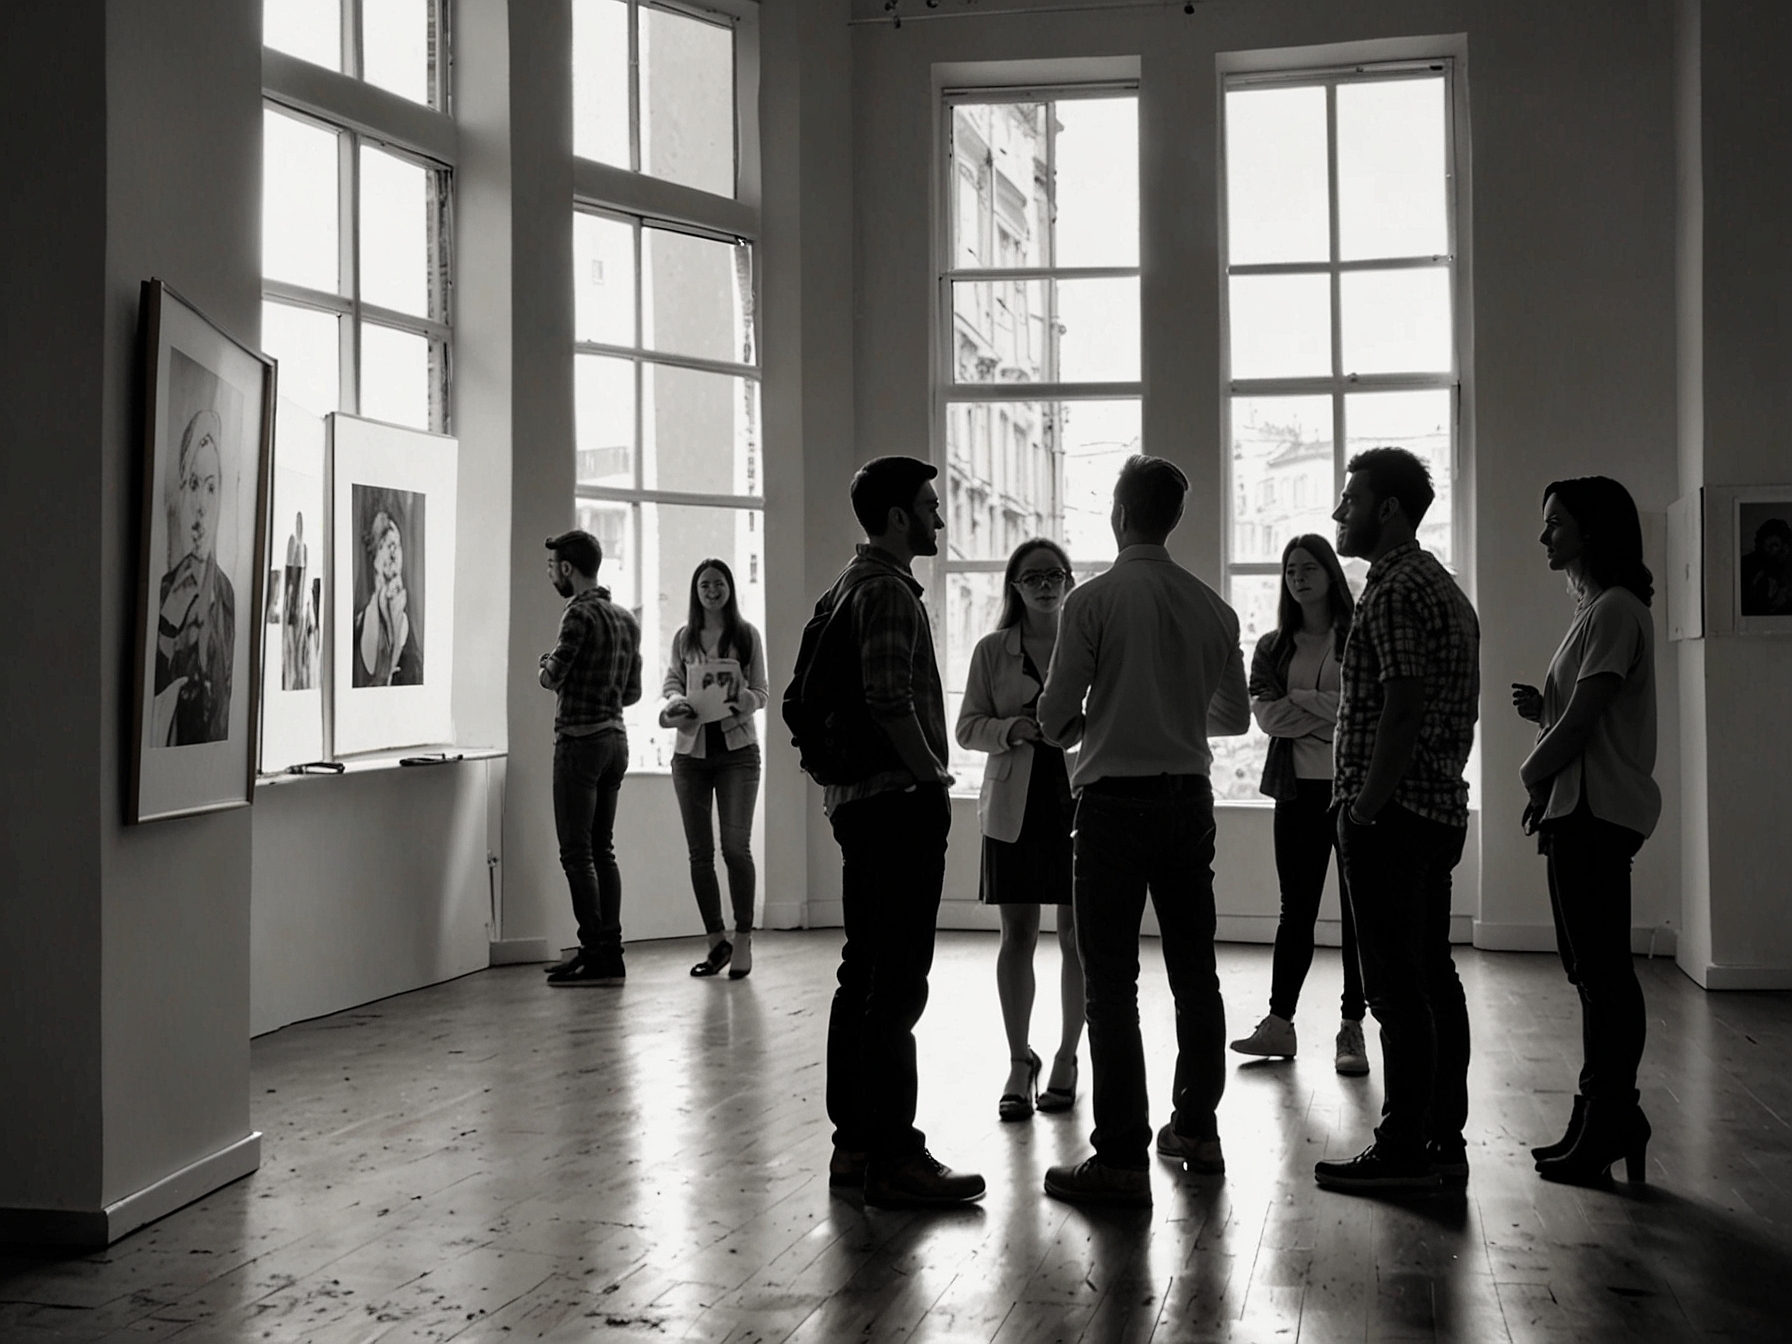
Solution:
(1763, 538)
(392, 616)
(292, 694)
(207, 436)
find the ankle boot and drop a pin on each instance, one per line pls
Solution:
(1610, 1130)
(743, 955)
(1560, 1148)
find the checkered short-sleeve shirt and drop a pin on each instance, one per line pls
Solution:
(1412, 621)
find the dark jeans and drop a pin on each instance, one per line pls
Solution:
(893, 863)
(1306, 834)
(732, 778)
(1589, 891)
(587, 779)
(1126, 846)
(1397, 877)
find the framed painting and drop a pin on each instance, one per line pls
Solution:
(392, 620)
(208, 427)
(297, 586)
(1763, 560)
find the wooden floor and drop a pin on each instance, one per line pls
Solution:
(494, 1160)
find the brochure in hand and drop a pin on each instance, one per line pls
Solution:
(713, 687)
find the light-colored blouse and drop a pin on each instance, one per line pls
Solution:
(738, 728)
(996, 695)
(1308, 713)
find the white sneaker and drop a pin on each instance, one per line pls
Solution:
(1273, 1036)
(1352, 1057)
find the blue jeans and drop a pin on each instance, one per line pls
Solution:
(732, 779)
(587, 780)
(1397, 879)
(1128, 845)
(893, 864)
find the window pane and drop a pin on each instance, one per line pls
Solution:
(696, 296)
(1017, 469)
(687, 100)
(395, 250)
(1281, 326)
(613, 524)
(1001, 216)
(395, 46)
(1282, 474)
(395, 372)
(1097, 158)
(674, 539)
(701, 430)
(1396, 321)
(299, 211)
(600, 81)
(603, 268)
(1421, 423)
(1238, 761)
(604, 420)
(1276, 173)
(1006, 331)
(308, 29)
(308, 345)
(1392, 183)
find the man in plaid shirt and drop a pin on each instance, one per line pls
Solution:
(594, 670)
(1408, 701)
(891, 826)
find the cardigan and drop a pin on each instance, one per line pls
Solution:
(1269, 685)
(737, 729)
(996, 695)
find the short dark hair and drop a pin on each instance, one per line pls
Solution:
(886, 483)
(1151, 490)
(579, 549)
(1611, 533)
(1774, 527)
(1397, 474)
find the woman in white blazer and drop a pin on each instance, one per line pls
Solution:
(1025, 812)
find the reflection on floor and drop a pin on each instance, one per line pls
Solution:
(492, 1159)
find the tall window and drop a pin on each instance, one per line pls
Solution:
(1039, 389)
(399, 45)
(1340, 329)
(666, 365)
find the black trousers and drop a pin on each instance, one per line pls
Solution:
(1126, 847)
(1397, 876)
(1306, 833)
(1589, 893)
(893, 864)
(588, 775)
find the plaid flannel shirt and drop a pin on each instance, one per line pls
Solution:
(896, 661)
(595, 667)
(1412, 621)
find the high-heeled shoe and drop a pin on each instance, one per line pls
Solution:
(1550, 1151)
(719, 954)
(1056, 1099)
(1015, 1105)
(1608, 1133)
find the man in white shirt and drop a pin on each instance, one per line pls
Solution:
(1147, 666)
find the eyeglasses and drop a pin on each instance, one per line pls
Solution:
(1035, 579)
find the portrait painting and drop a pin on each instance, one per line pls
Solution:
(292, 685)
(1764, 558)
(207, 435)
(389, 586)
(391, 641)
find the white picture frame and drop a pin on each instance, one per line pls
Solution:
(1761, 563)
(393, 494)
(295, 613)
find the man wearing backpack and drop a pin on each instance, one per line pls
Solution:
(868, 670)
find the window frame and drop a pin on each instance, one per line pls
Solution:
(351, 53)
(1339, 384)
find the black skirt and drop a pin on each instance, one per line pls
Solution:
(1034, 869)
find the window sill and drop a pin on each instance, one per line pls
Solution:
(386, 760)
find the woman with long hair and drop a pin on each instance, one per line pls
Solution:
(719, 658)
(1594, 800)
(1294, 697)
(1025, 812)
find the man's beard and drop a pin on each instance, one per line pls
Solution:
(922, 538)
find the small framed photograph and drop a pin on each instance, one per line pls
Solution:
(208, 427)
(1763, 532)
(392, 613)
(298, 588)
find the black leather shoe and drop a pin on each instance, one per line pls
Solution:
(1562, 1145)
(1376, 1169)
(919, 1182)
(717, 958)
(1609, 1132)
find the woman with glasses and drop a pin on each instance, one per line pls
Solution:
(1294, 696)
(1025, 812)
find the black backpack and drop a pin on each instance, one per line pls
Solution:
(836, 739)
